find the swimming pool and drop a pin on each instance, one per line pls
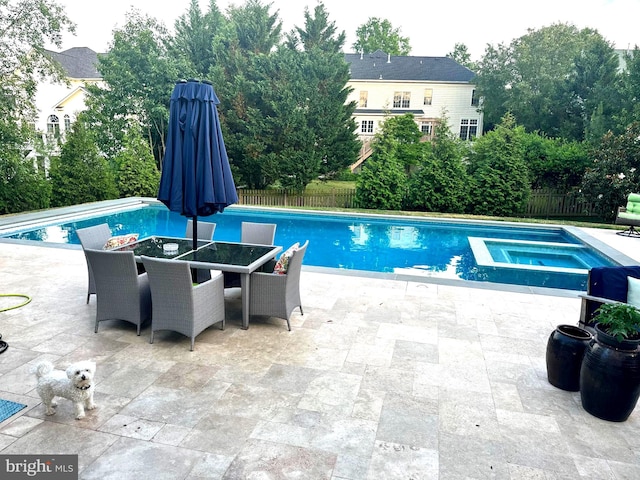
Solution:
(371, 243)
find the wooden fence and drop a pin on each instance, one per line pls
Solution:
(343, 198)
(554, 203)
(542, 203)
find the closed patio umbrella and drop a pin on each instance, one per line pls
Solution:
(196, 176)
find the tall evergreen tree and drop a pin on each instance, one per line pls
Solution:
(194, 39)
(499, 176)
(80, 174)
(241, 54)
(440, 182)
(136, 171)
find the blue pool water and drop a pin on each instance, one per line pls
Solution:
(379, 244)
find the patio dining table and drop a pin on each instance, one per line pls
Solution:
(242, 258)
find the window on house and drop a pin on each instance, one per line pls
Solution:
(67, 123)
(474, 98)
(53, 126)
(401, 99)
(426, 128)
(468, 129)
(364, 96)
(428, 96)
(366, 126)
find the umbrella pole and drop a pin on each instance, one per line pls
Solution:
(194, 271)
(195, 233)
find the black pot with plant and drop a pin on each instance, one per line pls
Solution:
(610, 370)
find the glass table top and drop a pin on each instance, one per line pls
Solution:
(224, 253)
(154, 247)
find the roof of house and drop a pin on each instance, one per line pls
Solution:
(78, 62)
(381, 66)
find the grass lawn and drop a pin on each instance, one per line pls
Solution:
(319, 185)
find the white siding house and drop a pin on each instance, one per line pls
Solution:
(59, 104)
(385, 85)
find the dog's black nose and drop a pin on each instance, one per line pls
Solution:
(83, 377)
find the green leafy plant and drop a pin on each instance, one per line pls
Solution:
(619, 320)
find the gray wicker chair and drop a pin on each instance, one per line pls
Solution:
(93, 238)
(122, 293)
(251, 232)
(258, 233)
(276, 295)
(178, 304)
(205, 230)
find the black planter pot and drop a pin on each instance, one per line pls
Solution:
(565, 349)
(610, 377)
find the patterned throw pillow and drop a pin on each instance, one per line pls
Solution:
(120, 241)
(283, 262)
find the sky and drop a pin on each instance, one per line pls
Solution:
(433, 27)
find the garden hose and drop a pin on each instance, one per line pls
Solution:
(4, 345)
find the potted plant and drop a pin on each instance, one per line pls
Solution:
(610, 370)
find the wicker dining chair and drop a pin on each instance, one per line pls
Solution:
(277, 295)
(178, 304)
(258, 233)
(205, 230)
(255, 233)
(122, 293)
(93, 238)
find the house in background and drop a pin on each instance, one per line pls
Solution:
(384, 85)
(58, 104)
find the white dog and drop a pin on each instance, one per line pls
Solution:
(75, 384)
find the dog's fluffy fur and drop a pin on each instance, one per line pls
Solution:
(75, 384)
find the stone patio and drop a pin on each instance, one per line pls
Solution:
(380, 379)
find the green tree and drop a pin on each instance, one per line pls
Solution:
(461, 55)
(22, 187)
(614, 171)
(195, 36)
(630, 90)
(552, 80)
(241, 52)
(440, 182)
(26, 27)
(554, 162)
(379, 34)
(499, 176)
(80, 174)
(321, 86)
(403, 137)
(140, 76)
(136, 174)
(382, 182)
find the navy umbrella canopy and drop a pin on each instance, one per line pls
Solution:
(196, 176)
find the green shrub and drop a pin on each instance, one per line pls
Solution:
(499, 176)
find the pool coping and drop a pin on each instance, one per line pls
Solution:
(24, 220)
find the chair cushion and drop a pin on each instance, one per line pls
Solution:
(283, 262)
(120, 241)
(611, 282)
(633, 293)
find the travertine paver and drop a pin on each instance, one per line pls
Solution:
(379, 379)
